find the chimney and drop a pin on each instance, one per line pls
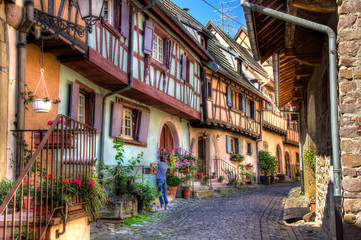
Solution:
(186, 9)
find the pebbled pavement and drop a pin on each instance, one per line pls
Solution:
(252, 214)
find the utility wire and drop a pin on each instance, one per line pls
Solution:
(224, 13)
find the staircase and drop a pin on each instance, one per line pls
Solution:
(66, 150)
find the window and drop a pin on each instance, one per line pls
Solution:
(81, 108)
(158, 48)
(239, 66)
(121, 17)
(240, 101)
(265, 146)
(209, 89)
(233, 144)
(249, 148)
(131, 121)
(127, 124)
(204, 42)
(85, 105)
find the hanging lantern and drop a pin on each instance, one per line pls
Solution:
(90, 9)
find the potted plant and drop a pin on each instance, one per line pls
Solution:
(173, 181)
(237, 157)
(186, 191)
(206, 179)
(56, 138)
(220, 179)
(267, 165)
(205, 135)
(186, 163)
(214, 175)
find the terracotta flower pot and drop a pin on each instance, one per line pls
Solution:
(186, 193)
(173, 190)
(313, 206)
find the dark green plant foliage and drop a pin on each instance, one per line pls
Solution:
(237, 156)
(267, 163)
(173, 180)
(309, 158)
(143, 192)
(5, 187)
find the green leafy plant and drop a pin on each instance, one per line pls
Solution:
(206, 177)
(237, 156)
(220, 178)
(186, 180)
(309, 158)
(173, 180)
(145, 193)
(267, 163)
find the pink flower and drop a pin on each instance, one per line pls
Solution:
(91, 183)
(50, 122)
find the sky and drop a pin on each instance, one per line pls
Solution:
(201, 11)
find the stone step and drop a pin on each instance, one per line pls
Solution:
(225, 190)
(202, 194)
(200, 188)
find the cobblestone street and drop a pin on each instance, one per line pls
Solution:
(252, 214)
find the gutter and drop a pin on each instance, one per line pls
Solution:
(333, 99)
(130, 76)
(299, 147)
(258, 141)
(24, 28)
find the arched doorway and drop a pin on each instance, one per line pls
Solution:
(279, 158)
(166, 137)
(288, 165)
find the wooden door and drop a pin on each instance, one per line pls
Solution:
(166, 138)
(202, 153)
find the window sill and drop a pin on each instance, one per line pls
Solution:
(134, 143)
(157, 65)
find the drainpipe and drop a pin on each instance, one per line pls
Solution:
(333, 99)
(130, 75)
(24, 28)
(258, 141)
(299, 147)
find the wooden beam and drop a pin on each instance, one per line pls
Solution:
(323, 6)
(290, 27)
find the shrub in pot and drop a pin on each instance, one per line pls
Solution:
(173, 181)
(220, 179)
(267, 165)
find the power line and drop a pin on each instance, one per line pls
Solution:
(224, 13)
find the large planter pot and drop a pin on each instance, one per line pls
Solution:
(265, 180)
(41, 106)
(120, 210)
(186, 193)
(173, 190)
(54, 140)
(220, 180)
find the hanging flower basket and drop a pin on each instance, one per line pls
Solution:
(41, 105)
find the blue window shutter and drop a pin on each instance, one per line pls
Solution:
(254, 110)
(236, 145)
(229, 96)
(240, 142)
(169, 53)
(148, 37)
(184, 67)
(98, 112)
(247, 108)
(74, 100)
(124, 24)
(243, 104)
(228, 144)
(144, 126)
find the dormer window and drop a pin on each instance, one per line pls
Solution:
(204, 41)
(239, 66)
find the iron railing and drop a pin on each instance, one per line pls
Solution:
(65, 151)
(225, 169)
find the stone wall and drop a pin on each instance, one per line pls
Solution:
(349, 53)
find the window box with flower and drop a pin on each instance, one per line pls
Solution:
(237, 157)
(55, 140)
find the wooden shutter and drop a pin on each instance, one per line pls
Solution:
(229, 96)
(228, 144)
(98, 112)
(244, 103)
(184, 67)
(247, 108)
(169, 53)
(148, 37)
(240, 147)
(144, 126)
(74, 100)
(124, 21)
(116, 18)
(236, 145)
(254, 111)
(116, 124)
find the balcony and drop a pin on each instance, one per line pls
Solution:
(292, 136)
(274, 123)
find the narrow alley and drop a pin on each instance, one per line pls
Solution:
(252, 214)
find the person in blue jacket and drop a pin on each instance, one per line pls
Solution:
(162, 181)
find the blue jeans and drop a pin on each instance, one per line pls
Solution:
(162, 187)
